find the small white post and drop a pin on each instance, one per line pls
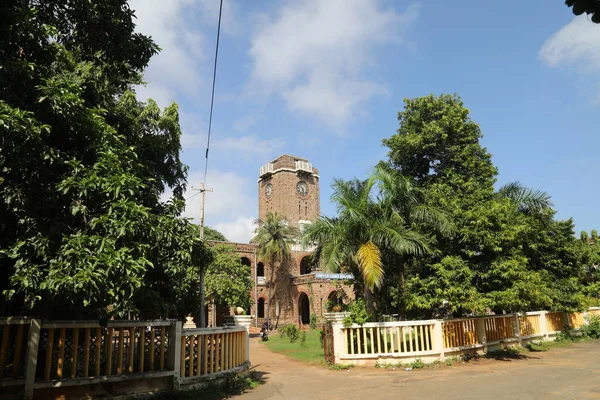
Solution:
(32, 356)
(438, 339)
(338, 341)
(481, 336)
(543, 325)
(247, 338)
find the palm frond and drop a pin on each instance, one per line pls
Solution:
(369, 260)
(527, 200)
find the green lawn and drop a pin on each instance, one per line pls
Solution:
(311, 352)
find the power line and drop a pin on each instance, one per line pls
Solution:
(212, 98)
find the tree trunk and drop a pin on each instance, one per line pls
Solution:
(270, 290)
(368, 295)
(401, 292)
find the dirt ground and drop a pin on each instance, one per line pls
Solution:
(571, 372)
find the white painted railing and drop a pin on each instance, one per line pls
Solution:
(431, 340)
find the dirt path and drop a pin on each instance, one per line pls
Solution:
(572, 372)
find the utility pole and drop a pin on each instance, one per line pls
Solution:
(202, 316)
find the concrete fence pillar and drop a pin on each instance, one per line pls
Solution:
(517, 328)
(480, 330)
(247, 339)
(174, 349)
(338, 341)
(543, 324)
(438, 339)
(32, 356)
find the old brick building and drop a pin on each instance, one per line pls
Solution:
(290, 186)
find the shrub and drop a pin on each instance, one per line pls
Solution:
(417, 364)
(313, 322)
(593, 328)
(292, 332)
(358, 313)
(303, 339)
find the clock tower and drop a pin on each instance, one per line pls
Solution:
(289, 186)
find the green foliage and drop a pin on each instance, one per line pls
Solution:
(592, 329)
(506, 251)
(273, 239)
(313, 321)
(417, 364)
(358, 313)
(292, 333)
(83, 165)
(303, 339)
(213, 234)
(227, 280)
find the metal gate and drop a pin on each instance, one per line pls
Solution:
(327, 336)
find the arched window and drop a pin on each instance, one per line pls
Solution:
(305, 266)
(260, 269)
(261, 307)
(246, 261)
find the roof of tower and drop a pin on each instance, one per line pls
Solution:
(287, 162)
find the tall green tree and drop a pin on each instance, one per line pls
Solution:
(273, 239)
(227, 280)
(500, 253)
(376, 221)
(83, 164)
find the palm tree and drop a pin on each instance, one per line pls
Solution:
(369, 224)
(273, 238)
(528, 201)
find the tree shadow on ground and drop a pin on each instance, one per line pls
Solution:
(507, 355)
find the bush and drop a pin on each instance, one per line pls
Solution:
(417, 364)
(313, 322)
(358, 313)
(303, 339)
(593, 328)
(292, 332)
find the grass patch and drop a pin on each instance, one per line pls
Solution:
(232, 386)
(307, 350)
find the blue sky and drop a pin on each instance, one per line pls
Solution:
(324, 80)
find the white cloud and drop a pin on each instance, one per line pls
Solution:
(176, 68)
(576, 43)
(249, 146)
(241, 230)
(246, 122)
(228, 208)
(315, 53)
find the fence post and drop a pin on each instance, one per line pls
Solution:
(543, 325)
(517, 328)
(338, 341)
(247, 344)
(565, 320)
(174, 350)
(480, 329)
(438, 339)
(32, 356)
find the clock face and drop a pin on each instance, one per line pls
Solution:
(269, 190)
(302, 188)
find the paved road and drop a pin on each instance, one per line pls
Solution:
(572, 372)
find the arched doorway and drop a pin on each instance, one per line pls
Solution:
(303, 309)
(246, 261)
(261, 307)
(334, 303)
(305, 266)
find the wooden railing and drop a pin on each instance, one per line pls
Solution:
(554, 322)
(393, 337)
(458, 333)
(433, 339)
(70, 350)
(213, 350)
(499, 327)
(14, 333)
(36, 355)
(529, 325)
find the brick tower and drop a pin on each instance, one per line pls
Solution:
(289, 186)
